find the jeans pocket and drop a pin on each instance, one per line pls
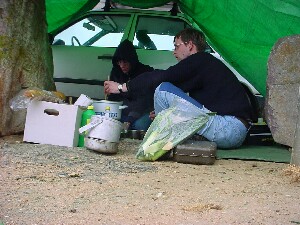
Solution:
(226, 131)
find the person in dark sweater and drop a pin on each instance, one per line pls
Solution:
(210, 85)
(126, 66)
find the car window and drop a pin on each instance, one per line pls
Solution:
(157, 33)
(95, 30)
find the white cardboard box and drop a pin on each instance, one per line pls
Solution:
(52, 123)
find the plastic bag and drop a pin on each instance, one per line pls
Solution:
(24, 97)
(170, 127)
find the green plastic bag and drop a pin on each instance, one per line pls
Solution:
(170, 127)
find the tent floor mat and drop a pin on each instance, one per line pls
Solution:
(272, 153)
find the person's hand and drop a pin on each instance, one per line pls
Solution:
(111, 87)
(152, 115)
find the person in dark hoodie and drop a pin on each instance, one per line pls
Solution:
(127, 66)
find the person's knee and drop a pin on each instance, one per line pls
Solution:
(164, 86)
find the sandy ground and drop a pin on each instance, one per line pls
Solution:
(43, 184)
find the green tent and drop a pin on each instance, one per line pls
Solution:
(242, 31)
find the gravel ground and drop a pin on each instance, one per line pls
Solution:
(44, 184)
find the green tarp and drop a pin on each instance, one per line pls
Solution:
(242, 31)
(60, 12)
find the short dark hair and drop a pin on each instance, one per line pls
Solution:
(196, 36)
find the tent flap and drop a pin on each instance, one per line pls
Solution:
(242, 32)
(60, 12)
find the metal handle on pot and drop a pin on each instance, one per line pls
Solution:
(89, 126)
(123, 106)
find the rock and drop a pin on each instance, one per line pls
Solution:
(25, 57)
(283, 88)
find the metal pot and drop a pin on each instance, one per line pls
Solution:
(134, 134)
(109, 109)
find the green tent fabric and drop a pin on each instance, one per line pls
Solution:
(60, 12)
(242, 31)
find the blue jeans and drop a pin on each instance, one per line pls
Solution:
(142, 123)
(225, 131)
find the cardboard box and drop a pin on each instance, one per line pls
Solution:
(52, 123)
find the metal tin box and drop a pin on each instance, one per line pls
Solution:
(196, 152)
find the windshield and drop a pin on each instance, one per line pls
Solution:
(96, 30)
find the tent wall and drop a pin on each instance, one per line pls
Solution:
(243, 32)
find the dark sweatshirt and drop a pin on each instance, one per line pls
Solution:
(138, 104)
(206, 79)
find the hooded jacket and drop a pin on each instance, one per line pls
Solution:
(137, 104)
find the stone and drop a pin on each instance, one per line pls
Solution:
(283, 82)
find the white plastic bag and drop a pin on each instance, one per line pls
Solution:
(24, 97)
(170, 127)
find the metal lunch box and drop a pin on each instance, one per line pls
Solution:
(195, 152)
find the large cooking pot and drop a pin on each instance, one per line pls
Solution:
(109, 109)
